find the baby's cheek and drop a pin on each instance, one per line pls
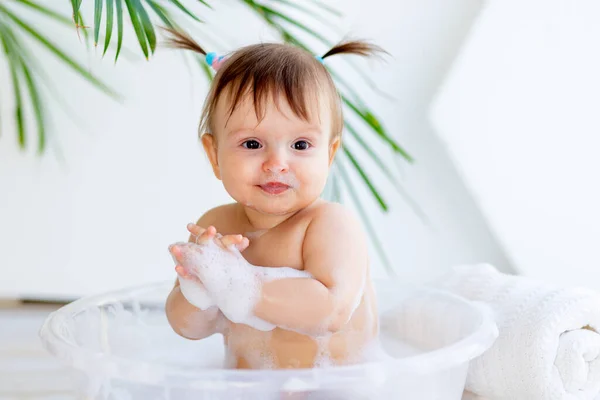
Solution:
(313, 181)
(236, 183)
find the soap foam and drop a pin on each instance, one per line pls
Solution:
(323, 358)
(234, 285)
(195, 293)
(228, 281)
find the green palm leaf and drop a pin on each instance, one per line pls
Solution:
(109, 24)
(307, 11)
(75, 5)
(325, 7)
(55, 50)
(46, 11)
(97, 19)
(119, 11)
(147, 25)
(24, 71)
(365, 218)
(185, 10)
(161, 13)
(144, 15)
(13, 65)
(364, 177)
(137, 26)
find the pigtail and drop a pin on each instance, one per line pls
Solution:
(358, 47)
(181, 40)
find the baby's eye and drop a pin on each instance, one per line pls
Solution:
(251, 144)
(301, 145)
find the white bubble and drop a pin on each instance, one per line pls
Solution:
(229, 281)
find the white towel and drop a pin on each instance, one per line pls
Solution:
(548, 347)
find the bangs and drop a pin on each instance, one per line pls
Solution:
(267, 72)
(300, 90)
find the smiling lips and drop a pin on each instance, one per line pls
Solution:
(274, 187)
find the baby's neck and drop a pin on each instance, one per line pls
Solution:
(258, 221)
(262, 222)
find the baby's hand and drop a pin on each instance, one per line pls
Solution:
(190, 285)
(190, 281)
(204, 235)
(230, 281)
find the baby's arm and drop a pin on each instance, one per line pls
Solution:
(335, 254)
(186, 319)
(189, 321)
(319, 299)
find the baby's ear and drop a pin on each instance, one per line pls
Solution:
(333, 148)
(210, 147)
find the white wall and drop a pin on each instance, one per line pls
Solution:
(134, 174)
(519, 114)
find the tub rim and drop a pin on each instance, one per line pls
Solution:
(111, 366)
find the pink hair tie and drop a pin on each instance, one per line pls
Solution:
(215, 61)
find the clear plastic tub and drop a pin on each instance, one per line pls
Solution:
(121, 347)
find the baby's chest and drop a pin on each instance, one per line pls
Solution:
(277, 249)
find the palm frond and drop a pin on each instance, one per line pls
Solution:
(279, 19)
(301, 6)
(385, 170)
(353, 103)
(24, 70)
(34, 74)
(348, 183)
(365, 177)
(55, 50)
(97, 19)
(13, 65)
(109, 24)
(325, 7)
(144, 16)
(119, 11)
(185, 10)
(141, 14)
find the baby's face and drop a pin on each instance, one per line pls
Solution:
(275, 167)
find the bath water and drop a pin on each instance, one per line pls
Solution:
(121, 347)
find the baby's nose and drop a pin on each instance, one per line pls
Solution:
(275, 163)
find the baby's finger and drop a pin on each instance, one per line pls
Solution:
(231, 239)
(195, 229)
(184, 274)
(243, 244)
(207, 235)
(175, 252)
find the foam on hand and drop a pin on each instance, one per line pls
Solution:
(195, 293)
(228, 281)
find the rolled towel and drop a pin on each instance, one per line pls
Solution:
(548, 347)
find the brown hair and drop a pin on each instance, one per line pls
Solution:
(273, 69)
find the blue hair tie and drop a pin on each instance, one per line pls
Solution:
(320, 59)
(214, 61)
(210, 57)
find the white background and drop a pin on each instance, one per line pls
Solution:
(520, 116)
(121, 180)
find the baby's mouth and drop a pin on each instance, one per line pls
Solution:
(274, 188)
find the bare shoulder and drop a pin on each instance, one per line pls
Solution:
(334, 213)
(212, 216)
(334, 237)
(330, 221)
(223, 218)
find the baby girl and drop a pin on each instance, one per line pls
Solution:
(282, 274)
